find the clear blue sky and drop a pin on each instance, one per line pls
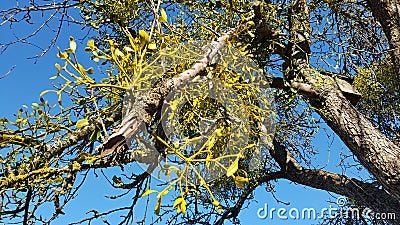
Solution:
(29, 79)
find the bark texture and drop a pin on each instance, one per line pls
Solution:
(374, 151)
(146, 107)
(364, 193)
(387, 12)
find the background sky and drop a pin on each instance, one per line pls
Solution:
(30, 77)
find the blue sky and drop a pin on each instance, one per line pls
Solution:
(29, 78)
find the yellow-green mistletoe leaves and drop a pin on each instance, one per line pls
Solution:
(96, 134)
(90, 47)
(148, 192)
(180, 204)
(232, 168)
(90, 43)
(163, 18)
(152, 46)
(240, 181)
(90, 70)
(58, 67)
(218, 206)
(144, 37)
(75, 166)
(72, 44)
(82, 123)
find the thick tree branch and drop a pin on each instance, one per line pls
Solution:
(365, 193)
(375, 152)
(112, 150)
(27, 202)
(144, 110)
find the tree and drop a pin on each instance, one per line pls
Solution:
(309, 53)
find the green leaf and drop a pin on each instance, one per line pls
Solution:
(58, 67)
(76, 166)
(233, 168)
(178, 201)
(241, 181)
(144, 36)
(163, 18)
(215, 203)
(90, 43)
(148, 192)
(250, 23)
(46, 91)
(152, 46)
(72, 44)
(181, 204)
(82, 123)
(96, 134)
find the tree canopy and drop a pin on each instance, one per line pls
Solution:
(213, 99)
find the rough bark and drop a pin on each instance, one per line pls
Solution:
(374, 151)
(145, 109)
(364, 193)
(387, 12)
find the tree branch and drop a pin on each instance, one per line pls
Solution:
(144, 110)
(366, 194)
(375, 152)
(26, 207)
(233, 212)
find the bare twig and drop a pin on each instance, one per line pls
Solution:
(8, 72)
(18, 14)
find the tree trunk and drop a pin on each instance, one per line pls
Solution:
(375, 152)
(387, 12)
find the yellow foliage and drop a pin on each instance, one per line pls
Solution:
(163, 17)
(232, 168)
